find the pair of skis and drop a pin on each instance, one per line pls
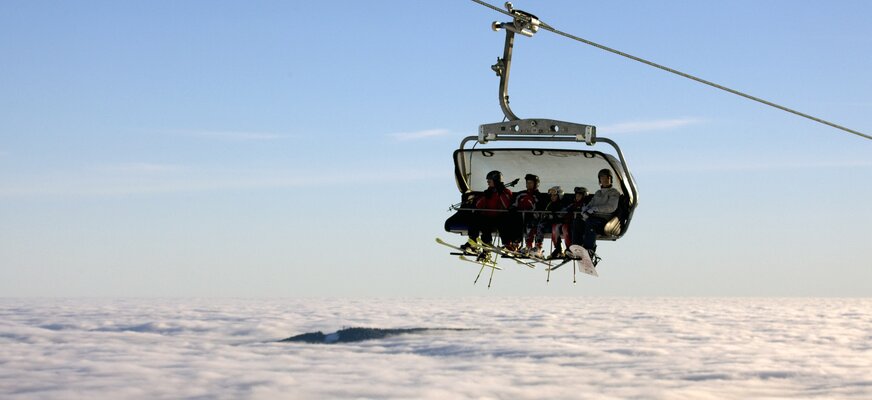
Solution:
(488, 254)
(485, 259)
(579, 256)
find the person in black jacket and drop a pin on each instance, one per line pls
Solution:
(526, 222)
(551, 218)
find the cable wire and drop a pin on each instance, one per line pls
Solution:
(549, 28)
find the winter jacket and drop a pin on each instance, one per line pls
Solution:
(556, 208)
(494, 199)
(575, 206)
(528, 200)
(604, 202)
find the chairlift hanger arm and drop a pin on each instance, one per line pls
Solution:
(524, 23)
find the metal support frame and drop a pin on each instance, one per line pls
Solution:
(538, 127)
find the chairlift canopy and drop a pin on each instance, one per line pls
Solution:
(567, 168)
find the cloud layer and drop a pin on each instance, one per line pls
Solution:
(236, 136)
(145, 178)
(648, 126)
(418, 135)
(521, 348)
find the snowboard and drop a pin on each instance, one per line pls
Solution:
(584, 262)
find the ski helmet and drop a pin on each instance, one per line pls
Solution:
(604, 172)
(556, 190)
(581, 190)
(495, 176)
(532, 177)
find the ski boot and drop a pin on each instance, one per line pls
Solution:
(471, 247)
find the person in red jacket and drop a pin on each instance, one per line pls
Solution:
(526, 224)
(489, 215)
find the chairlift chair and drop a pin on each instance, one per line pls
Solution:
(565, 166)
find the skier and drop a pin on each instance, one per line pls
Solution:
(495, 197)
(573, 210)
(526, 225)
(596, 213)
(552, 220)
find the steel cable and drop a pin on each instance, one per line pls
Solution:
(549, 28)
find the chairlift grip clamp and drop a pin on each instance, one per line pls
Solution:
(522, 22)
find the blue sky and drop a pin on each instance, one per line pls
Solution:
(304, 149)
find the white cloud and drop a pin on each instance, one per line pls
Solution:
(418, 135)
(141, 167)
(648, 126)
(751, 166)
(523, 348)
(240, 136)
(144, 178)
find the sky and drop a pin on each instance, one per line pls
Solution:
(223, 149)
(509, 347)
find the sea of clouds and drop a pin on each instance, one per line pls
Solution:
(494, 348)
